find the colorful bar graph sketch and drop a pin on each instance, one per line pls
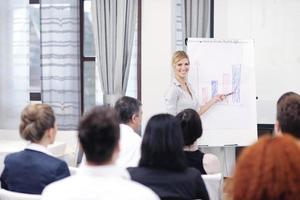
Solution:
(226, 85)
(205, 97)
(236, 83)
(214, 88)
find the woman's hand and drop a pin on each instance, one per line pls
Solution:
(218, 98)
(211, 102)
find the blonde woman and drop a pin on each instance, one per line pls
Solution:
(30, 170)
(180, 95)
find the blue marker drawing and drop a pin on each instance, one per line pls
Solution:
(214, 88)
(236, 83)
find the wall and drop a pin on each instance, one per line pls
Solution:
(157, 49)
(272, 24)
(274, 27)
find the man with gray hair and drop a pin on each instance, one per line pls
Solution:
(130, 114)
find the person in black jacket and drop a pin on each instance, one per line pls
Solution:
(30, 170)
(191, 126)
(162, 166)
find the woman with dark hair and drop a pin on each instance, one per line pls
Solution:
(268, 170)
(162, 166)
(192, 130)
(288, 115)
(32, 169)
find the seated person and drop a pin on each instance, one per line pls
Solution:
(162, 166)
(129, 111)
(30, 170)
(99, 177)
(288, 115)
(130, 114)
(268, 170)
(192, 130)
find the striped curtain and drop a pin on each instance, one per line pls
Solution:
(60, 60)
(178, 24)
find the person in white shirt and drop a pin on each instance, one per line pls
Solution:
(180, 94)
(99, 177)
(130, 115)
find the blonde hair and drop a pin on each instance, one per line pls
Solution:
(177, 56)
(35, 120)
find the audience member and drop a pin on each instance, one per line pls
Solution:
(268, 170)
(288, 114)
(192, 130)
(162, 166)
(30, 170)
(130, 115)
(99, 177)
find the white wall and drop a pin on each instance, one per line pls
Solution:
(157, 48)
(272, 24)
(274, 27)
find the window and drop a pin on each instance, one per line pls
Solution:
(29, 40)
(179, 23)
(14, 59)
(35, 52)
(91, 82)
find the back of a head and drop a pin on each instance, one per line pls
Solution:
(190, 124)
(35, 120)
(267, 170)
(126, 107)
(162, 145)
(286, 95)
(99, 134)
(288, 114)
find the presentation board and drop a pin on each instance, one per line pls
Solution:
(225, 67)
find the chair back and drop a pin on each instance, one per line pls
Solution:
(9, 195)
(214, 185)
(73, 170)
(72, 146)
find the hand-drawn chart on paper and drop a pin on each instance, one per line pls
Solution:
(224, 67)
(228, 84)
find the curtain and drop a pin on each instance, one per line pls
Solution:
(14, 61)
(195, 18)
(60, 60)
(114, 24)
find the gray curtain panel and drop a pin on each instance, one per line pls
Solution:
(114, 25)
(195, 18)
(61, 60)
